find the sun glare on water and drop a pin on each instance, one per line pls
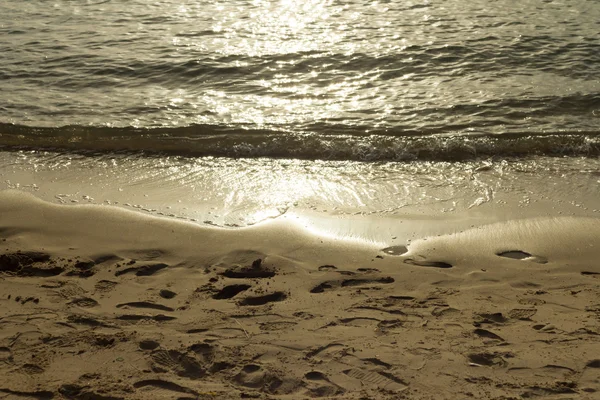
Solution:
(293, 85)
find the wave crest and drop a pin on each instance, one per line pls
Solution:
(239, 142)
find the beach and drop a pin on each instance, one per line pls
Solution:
(299, 199)
(105, 303)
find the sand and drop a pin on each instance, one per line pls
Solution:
(98, 302)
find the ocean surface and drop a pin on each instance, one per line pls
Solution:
(311, 79)
(357, 106)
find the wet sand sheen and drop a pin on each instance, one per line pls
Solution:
(100, 302)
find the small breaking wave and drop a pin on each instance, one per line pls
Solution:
(242, 142)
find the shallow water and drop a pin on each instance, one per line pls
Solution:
(319, 79)
(340, 194)
(233, 113)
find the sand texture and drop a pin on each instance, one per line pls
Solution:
(102, 303)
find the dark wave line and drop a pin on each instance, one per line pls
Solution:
(237, 142)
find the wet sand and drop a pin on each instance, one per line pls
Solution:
(103, 303)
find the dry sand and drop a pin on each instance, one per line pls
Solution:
(103, 303)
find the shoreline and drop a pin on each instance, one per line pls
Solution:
(101, 302)
(364, 200)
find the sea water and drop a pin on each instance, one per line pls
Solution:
(253, 108)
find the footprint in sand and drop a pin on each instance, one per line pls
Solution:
(251, 376)
(303, 315)
(523, 314)
(322, 287)
(230, 291)
(276, 325)
(593, 274)
(179, 363)
(255, 271)
(395, 250)
(486, 359)
(425, 263)
(326, 352)
(261, 300)
(146, 305)
(29, 264)
(377, 378)
(484, 333)
(165, 385)
(82, 269)
(85, 302)
(205, 351)
(319, 385)
(143, 270)
(256, 377)
(522, 255)
(516, 314)
(327, 268)
(148, 344)
(31, 369)
(167, 294)
(145, 318)
(5, 354)
(593, 364)
(89, 321)
(18, 394)
(358, 321)
(105, 285)
(71, 291)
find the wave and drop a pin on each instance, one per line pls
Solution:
(244, 142)
(484, 56)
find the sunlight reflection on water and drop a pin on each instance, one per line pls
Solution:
(313, 66)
